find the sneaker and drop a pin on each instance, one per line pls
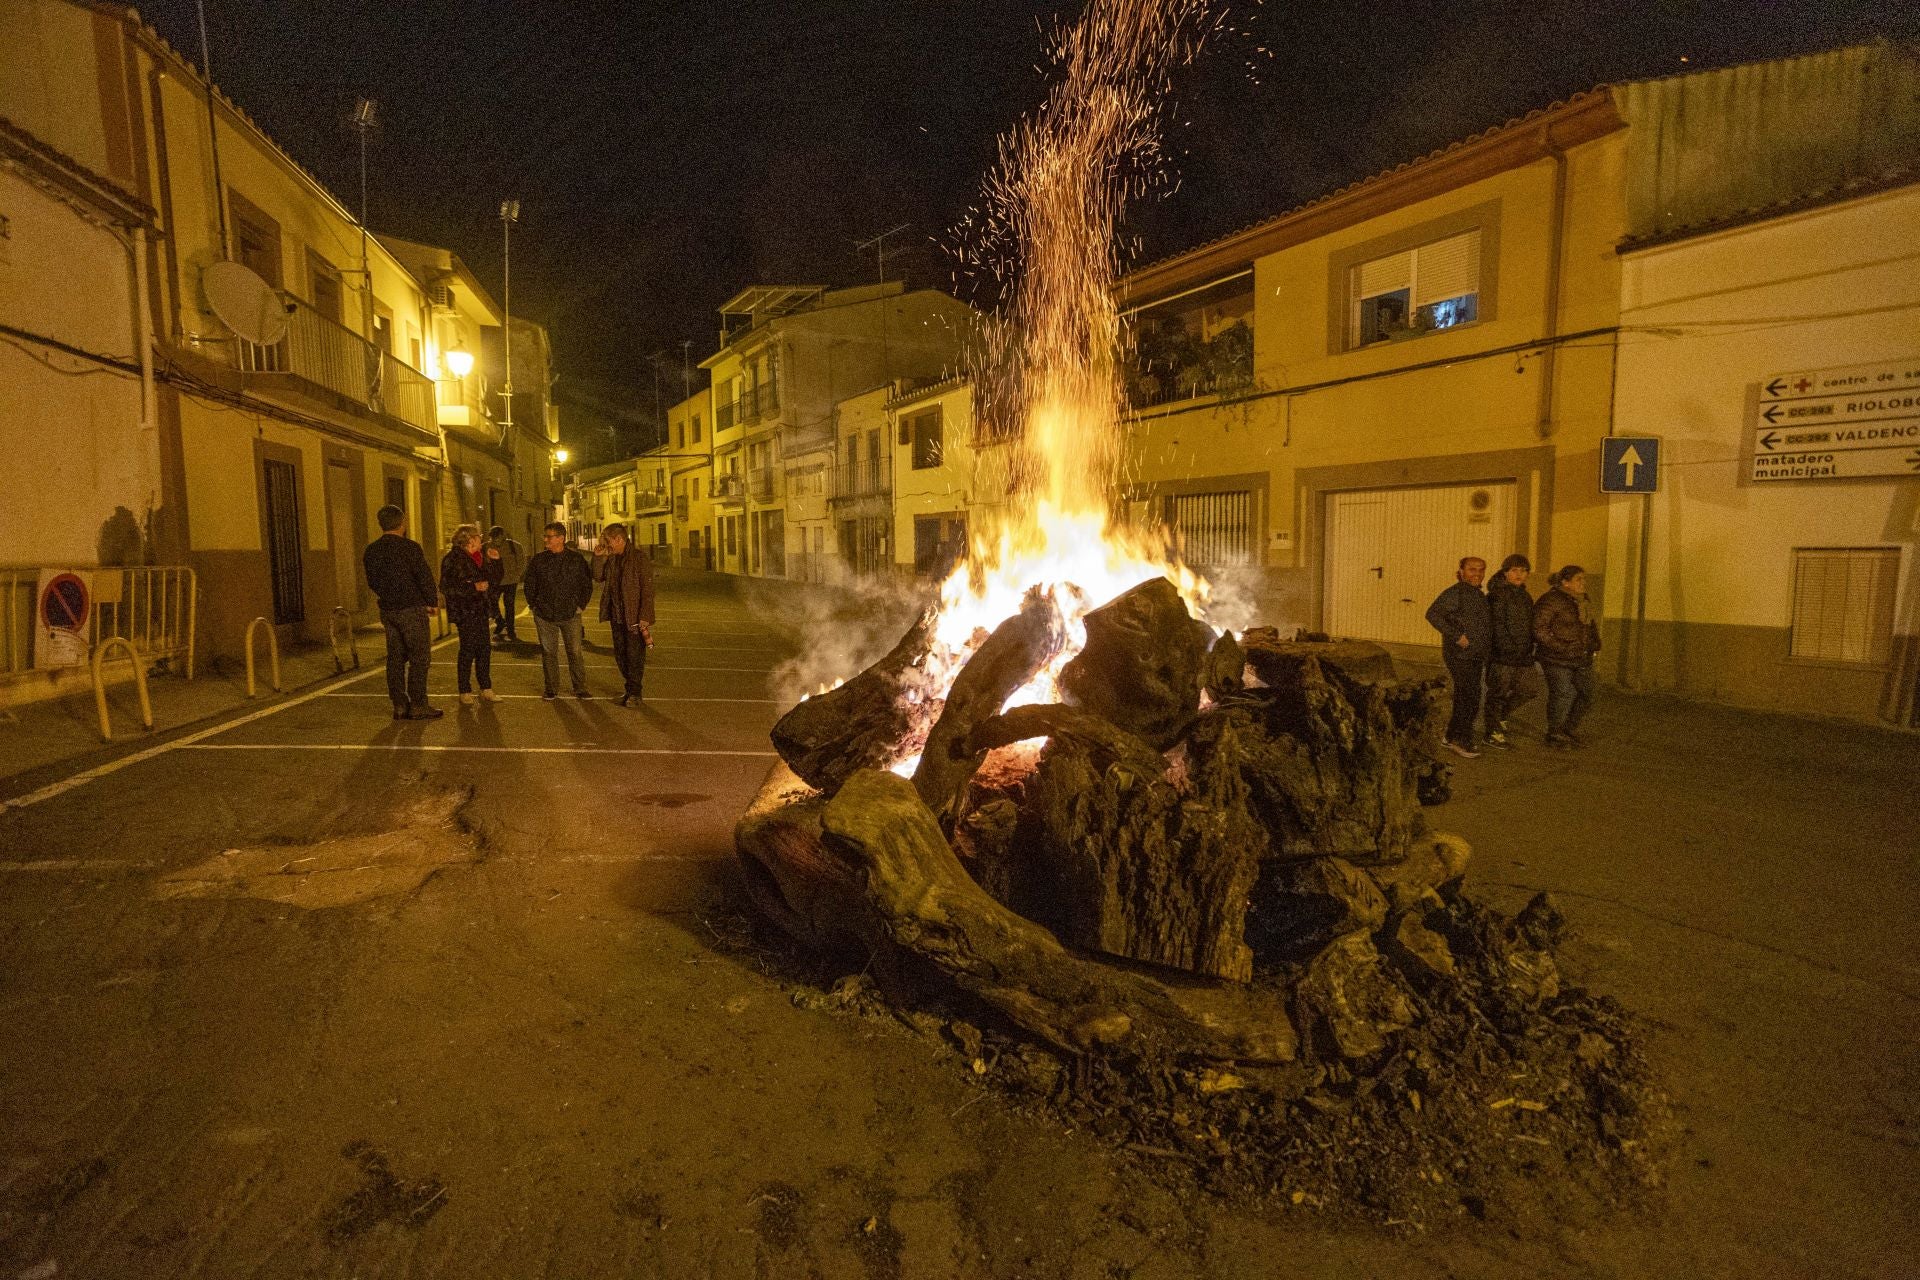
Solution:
(1464, 752)
(400, 713)
(1499, 741)
(466, 699)
(583, 695)
(487, 695)
(548, 696)
(1559, 742)
(425, 713)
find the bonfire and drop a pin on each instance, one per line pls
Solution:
(1174, 879)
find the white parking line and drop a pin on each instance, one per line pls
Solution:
(457, 746)
(82, 778)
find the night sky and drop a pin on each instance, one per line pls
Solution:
(667, 154)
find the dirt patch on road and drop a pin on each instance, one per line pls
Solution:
(422, 835)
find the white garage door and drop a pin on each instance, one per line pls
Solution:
(1391, 551)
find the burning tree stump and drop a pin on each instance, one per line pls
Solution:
(861, 723)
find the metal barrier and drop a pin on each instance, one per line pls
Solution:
(334, 630)
(273, 653)
(100, 684)
(155, 608)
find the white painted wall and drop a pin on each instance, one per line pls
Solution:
(72, 449)
(1704, 322)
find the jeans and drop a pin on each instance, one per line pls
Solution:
(630, 655)
(1569, 694)
(1469, 675)
(552, 636)
(1508, 689)
(504, 607)
(409, 652)
(476, 652)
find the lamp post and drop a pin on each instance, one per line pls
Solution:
(509, 214)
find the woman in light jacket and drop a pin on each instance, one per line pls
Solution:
(468, 574)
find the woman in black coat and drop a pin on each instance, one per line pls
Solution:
(468, 574)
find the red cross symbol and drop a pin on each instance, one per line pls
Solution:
(1801, 386)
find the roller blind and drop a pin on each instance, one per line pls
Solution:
(1383, 275)
(1843, 603)
(1447, 268)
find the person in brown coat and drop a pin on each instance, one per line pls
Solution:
(1565, 639)
(626, 604)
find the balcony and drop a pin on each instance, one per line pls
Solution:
(323, 355)
(1171, 362)
(727, 489)
(870, 479)
(650, 500)
(680, 508)
(750, 406)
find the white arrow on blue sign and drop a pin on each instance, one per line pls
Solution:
(1630, 464)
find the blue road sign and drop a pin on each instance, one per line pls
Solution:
(1630, 464)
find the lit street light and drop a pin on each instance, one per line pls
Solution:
(560, 456)
(460, 362)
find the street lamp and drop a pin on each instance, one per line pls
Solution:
(560, 456)
(460, 362)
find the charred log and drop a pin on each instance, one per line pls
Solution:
(858, 725)
(1143, 663)
(903, 888)
(1011, 656)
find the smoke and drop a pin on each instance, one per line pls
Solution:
(843, 630)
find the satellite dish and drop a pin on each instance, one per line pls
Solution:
(245, 303)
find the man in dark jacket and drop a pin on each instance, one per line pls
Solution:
(626, 604)
(1511, 682)
(1461, 616)
(558, 586)
(1566, 638)
(398, 576)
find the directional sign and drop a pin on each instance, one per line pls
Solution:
(1630, 464)
(1851, 422)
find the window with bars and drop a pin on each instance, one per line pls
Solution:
(924, 432)
(1421, 290)
(1216, 529)
(1843, 603)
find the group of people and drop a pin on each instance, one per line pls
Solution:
(479, 579)
(1494, 639)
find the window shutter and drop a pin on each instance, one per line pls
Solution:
(1843, 604)
(1447, 268)
(1383, 275)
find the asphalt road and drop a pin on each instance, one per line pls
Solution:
(323, 994)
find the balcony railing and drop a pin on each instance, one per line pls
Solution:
(650, 500)
(760, 484)
(324, 354)
(870, 479)
(749, 406)
(727, 488)
(680, 508)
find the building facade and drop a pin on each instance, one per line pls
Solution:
(269, 418)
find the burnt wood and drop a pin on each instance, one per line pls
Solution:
(863, 722)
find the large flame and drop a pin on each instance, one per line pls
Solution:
(1052, 209)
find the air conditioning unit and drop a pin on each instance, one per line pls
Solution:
(440, 295)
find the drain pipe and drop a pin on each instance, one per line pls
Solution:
(1551, 326)
(142, 307)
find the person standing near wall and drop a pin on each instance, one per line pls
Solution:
(468, 574)
(1566, 638)
(513, 567)
(1511, 678)
(626, 604)
(398, 576)
(1461, 616)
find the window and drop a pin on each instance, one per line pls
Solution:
(696, 488)
(696, 428)
(923, 431)
(681, 436)
(1420, 290)
(324, 287)
(1216, 529)
(383, 327)
(1843, 603)
(256, 238)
